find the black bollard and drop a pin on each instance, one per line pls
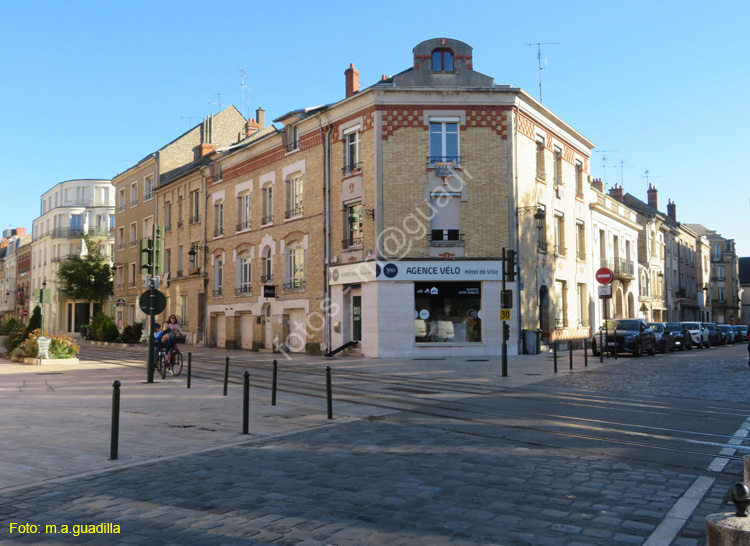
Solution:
(190, 368)
(246, 403)
(615, 335)
(226, 375)
(273, 382)
(601, 346)
(328, 392)
(554, 352)
(570, 348)
(585, 352)
(115, 420)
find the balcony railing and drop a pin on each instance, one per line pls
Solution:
(243, 291)
(148, 197)
(267, 219)
(292, 146)
(121, 208)
(351, 241)
(179, 273)
(132, 284)
(121, 246)
(446, 237)
(133, 203)
(294, 211)
(294, 285)
(456, 160)
(266, 279)
(180, 223)
(120, 286)
(243, 225)
(354, 167)
(219, 231)
(194, 219)
(218, 292)
(541, 175)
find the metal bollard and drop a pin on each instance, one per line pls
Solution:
(226, 375)
(615, 334)
(328, 392)
(115, 420)
(246, 403)
(190, 368)
(570, 348)
(554, 352)
(601, 346)
(273, 382)
(585, 352)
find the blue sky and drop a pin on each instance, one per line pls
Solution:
(87, 88)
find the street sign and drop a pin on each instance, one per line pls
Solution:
(604, 275)
(269, 291)
(160, 302)
(120, 302)
(605, 291)
(505, 314)
(25, 313)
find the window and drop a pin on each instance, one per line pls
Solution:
(148, 192)
(218, 219)
(267, 205)
(561, 307)
(351, 161)
(579, 179)
(218, 276)
(445, 224)
(717, 253)
(120, 200)
(444, 142)
(133, 234)
(132, 275)
(195, 258)
(243, 212)
(244, 276)
(134, 194)
(266, 275)
(540, 174)
(195, 207)
(353, 225)
(292, 138)
(557, 166)
(580, 241)
(559, 235)
(167, 260)
(76, 225)
(182, 311)
(167, 216)
(720, 272)
(722, 295)
(179, 212)
(121, 238)
(120, 278)
(111, 222)
(447, 312)
(581, 295)
(442, 60)
(541, 241)
(295, 268)
(294, 197)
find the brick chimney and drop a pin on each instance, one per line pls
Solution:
(3, 242)
(205, 149)
(251, 127)
(672, 210)
(260, 115)
(653, 197)
(598, 185)
(352, 80)
(616, 192)
(21, 231)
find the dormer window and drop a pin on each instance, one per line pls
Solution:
(292, 138)
(442, 60)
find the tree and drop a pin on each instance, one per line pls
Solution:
(87, 278)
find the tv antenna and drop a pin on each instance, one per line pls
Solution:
(217, 103)
(622, 167)
(604, 162)
(245, 95)
(648, 176)
(539, 61)
(189, 118)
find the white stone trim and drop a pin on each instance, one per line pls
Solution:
(297, 166)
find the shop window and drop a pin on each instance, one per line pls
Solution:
(448, 312)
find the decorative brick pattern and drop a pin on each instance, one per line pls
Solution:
(528, 128)
(399, 117)
(493, 118)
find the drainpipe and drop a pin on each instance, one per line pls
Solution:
(514, 211)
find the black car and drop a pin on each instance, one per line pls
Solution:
(715, 337)
(740, 333)
(727, 332)
(682, 338)
(625, 336)
(665, 340)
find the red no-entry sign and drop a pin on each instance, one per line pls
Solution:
(25, 313)
(604, 275)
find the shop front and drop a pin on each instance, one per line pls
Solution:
(412, 309)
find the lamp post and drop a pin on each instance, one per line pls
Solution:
(205, 171)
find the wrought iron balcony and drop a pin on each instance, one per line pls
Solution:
(194, 219)
(294, 211)
(353, 167)
(294, 285)
(218, 292)
(243, 225)
(292, 146)
(243, 291)
(266, 279)
(446, 237)
(267, 219)
(133, 203)
(455, 160)
(219, 231)
(351, 241)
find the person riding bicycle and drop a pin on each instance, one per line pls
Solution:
(157, 338)
(169, 332)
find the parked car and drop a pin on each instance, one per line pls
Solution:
(727, 332)
(698, 333)
(665, 340)
(740, 333)
(625, 336)
(682, 339)
(715, 336)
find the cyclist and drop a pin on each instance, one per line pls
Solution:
(170, 330)
(157, 339)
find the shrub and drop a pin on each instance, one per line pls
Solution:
(9, 325)
(29, 347)
(110, 332)
(14, 338)
(132, 333)
(99, 324)
(35, 321)
(62, 346)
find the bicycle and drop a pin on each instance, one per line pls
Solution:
(174, 363)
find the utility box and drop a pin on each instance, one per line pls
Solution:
(532, 342)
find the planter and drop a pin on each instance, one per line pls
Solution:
(48, 361)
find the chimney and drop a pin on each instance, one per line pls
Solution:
(598, 185)
(352, 80)
(251, 127)
(616, 192)
(260, 115)
(672, 210)
(653, 197)
(3, 242)
(21, 231)
(206, 149)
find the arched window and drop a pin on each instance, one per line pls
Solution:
(442, 60)
(266, 266)
(294, 268)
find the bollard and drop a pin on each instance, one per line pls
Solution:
(570, 349)
(554, 352)
(601, 347)
(328, 392)
(246, 403)
(226, 375)
(273, 382)
(115, 420)
(190, 368)
(615, 334)
(585, 352)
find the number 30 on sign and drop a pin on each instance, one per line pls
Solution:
(505, 314)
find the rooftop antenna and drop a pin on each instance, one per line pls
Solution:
(622, 169)
(648, 176)
(216, 103)
(245, 95)
(189, 118)
(604, 162)
(539, 61)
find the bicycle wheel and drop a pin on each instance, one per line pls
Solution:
(162, 365)
(176, 362)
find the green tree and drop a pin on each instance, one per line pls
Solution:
(87, 278)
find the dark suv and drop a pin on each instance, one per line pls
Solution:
(665, 340)
(740, 333)
(682, 339)
(715, 336)
(625, 336)
(727, 332)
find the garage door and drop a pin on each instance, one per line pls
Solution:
(221, 330)
(246, 330)
(297, 334)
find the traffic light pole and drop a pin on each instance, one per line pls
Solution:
(151, 299)
(505, 336)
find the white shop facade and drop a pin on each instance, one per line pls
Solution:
(419, 308)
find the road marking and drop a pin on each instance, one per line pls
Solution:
(718, 464)
(680, 512)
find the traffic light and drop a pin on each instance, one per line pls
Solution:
(506, 331)
(510, 265)
(159, 250)
(147, 254)
(506, 299)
